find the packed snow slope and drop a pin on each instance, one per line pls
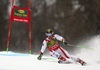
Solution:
(18, 61)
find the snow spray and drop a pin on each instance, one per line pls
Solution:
(90, 55)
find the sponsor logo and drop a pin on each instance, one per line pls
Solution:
(48, 30)
(21, 13)
(52, 43)
(21, 20)
(54, 47)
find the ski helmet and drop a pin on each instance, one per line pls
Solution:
(49, 32)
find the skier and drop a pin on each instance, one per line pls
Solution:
(55, 50)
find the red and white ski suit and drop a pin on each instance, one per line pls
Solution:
(54, 48)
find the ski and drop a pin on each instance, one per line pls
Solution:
(56, 60)
(61, 62)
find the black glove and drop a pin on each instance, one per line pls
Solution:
(39, 57)
(65, 43)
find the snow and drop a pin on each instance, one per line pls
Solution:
(30, 62)
(50, 2)
(76, 5)
(18, 61)
(16, 2)
(91, 55)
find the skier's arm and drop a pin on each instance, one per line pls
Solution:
(60, 38)
(44, 45)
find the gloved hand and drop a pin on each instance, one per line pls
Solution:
(39, 57)
(65, 43)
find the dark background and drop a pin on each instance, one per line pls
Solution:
(75, 20)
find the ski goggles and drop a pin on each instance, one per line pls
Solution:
(48, 34)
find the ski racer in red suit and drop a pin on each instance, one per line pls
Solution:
(55, 50)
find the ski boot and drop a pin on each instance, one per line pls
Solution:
(61, 59)
(82, 62)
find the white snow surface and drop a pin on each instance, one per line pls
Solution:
(18, 61)
(30, 62)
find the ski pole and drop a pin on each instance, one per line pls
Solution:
(50, 59)
(80, 46)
